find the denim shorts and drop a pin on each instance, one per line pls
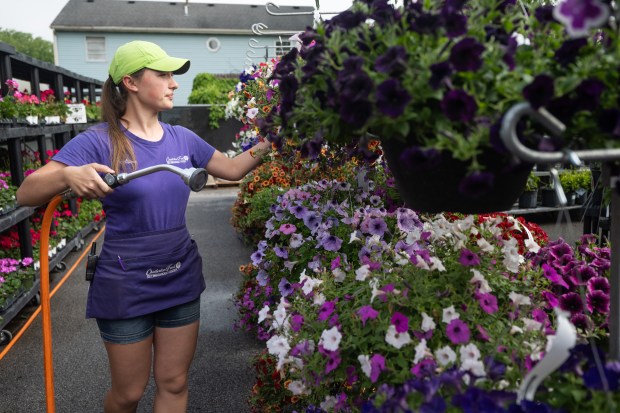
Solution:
(136, 329)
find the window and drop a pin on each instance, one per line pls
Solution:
(95, 49)
(283, 47)
(213, 44)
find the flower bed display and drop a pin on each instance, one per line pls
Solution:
(360, 305)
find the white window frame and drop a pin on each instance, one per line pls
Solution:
(92, 44)
(283, 47)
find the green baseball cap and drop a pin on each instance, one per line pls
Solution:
(134, 56)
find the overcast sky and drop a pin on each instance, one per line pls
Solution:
(35, 16)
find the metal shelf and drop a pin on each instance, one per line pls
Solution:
(75, 244)
(15, 216)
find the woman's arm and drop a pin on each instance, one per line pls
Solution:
(55, 177)
(233, 169)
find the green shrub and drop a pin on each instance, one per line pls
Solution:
(209, 89)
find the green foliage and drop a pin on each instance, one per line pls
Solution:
(211, 90)
(32, 46)
(573, 180)
(533, 182)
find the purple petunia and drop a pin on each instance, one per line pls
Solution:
(400, 321)
(469, 258)
(465, 56)
(579, 16)
(457, 331)
(458, 106)
(488, 303)
(331, 242)
(377, 365)
(540, 91)
(571, 302)
(367, 312)
(297, 321)
(393, 61)
(598, 301)
(285, 287)
(439, 72)
(392, 98)
(326, 310)
(287, 229)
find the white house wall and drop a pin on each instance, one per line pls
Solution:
(229, 59)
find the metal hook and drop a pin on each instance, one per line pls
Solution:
(509, 137)
(258, 29)
(559, 191)
(297, 13)
(565, 339)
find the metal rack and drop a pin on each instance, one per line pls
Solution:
(566, 336)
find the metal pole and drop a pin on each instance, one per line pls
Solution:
(614, 276)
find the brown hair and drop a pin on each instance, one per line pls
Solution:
(113, 106)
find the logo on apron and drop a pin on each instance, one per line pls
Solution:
(159, 272)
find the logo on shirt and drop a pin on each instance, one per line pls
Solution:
(158, 272)
(178, 159)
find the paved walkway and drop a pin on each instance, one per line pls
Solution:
(221, 376)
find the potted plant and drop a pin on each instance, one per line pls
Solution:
(529, 197)
(52, 110)
(584, 185)
(569, 179)
(432, 80)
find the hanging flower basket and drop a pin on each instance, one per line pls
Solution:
(438, 182)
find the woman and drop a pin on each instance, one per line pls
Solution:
(145, 294)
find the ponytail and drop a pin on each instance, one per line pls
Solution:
(113, 106)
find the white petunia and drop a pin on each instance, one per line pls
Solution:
(421, 351)
(475, 367)
(309, 283)
(531, 325)
(354, 237)
(436, 265)
(339, 275)
(362, 272)
(278, 346)
(297, 387)
(532, 246)
(395, 338)
(519, 299)
(330, 339)
(450, 314)
(479, 280)
(514, 330)
(329, 403)
(365, 364)
(484, 245)
(318, 299)
(251, 113)
(445, 356)
(427, 323)
(263, 314)
(469, 352)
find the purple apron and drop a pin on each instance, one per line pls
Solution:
(141, 274)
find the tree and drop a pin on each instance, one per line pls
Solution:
(24, 43)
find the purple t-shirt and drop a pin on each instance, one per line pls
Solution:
(152, 202)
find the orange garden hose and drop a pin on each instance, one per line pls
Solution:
(45, 308)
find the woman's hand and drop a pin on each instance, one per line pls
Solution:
(86, 182)
(55, 177)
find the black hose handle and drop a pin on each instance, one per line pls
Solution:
(111, 180)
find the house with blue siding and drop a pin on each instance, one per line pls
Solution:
(217, 38)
